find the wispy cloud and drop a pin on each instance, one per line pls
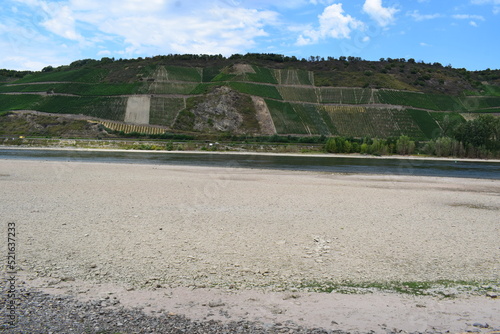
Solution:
(422, 17)
(468, 17)
(157, 25)
(486, 2)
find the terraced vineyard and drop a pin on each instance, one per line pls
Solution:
(344, 95)
(129, 128)
(299, 94)
(164, 110)
(294, 103)
(294, 77)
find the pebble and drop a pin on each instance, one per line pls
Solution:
(43, 313)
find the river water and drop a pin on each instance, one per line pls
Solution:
(368, 165)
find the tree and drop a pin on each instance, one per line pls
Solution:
(405, 146)
(478, 132)
(331, 146)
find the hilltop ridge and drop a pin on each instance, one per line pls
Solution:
(258, 94)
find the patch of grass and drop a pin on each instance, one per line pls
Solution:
(85, 74)
(224, 77)
(487, 90)
(209, 73)
(191, 74)
(454, 117)
(359, 79)
(285, 118)
(262, 74)
(426, 123)
(361, 122)
(299, 94)
(256, 89)
(481, 102)
(19, 102)
(204, 88)
(294, 77)
(83, 89)
(442, 288)
(420, 100)
(347, 95)
(185, 120)
(164, 110)
(312, 119)
(112, 108)
(100, 89)
(167, 88)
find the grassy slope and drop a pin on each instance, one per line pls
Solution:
(97, 88)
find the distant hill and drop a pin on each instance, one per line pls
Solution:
(258, 94)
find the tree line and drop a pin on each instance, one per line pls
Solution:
(477, 138)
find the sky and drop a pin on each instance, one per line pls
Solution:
(460, 33)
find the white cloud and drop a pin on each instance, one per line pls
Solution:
(333, 23)
(486, 2)
(322, 2)
(424, 44)
(495, 3)
(157, 26)
(382, 15)
(422, 17)
(473, 23)
(468, 17)
(61, 21)
(217, 30)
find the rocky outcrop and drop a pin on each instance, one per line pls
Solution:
(221, 110)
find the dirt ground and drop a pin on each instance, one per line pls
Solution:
(137, 111)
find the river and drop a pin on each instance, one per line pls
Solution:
(364, 165)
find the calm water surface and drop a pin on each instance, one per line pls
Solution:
(442, 168)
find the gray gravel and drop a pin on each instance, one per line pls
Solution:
(39, 312)
(43, 313)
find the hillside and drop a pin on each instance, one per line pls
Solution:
(257, 95)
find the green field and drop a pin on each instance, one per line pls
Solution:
(19, 102)
(294, 77)
(420, 100)
(372, 122)
(265, 91)
(389, 105)
(164, 110)
(182, 88)
(299, 94)
(426, 122)
(82, 89)
(312, 119)
(473, 103)
(85, 74)
(285, 118)
(27, 88)
(112, 108)
(262, 74)
(343, 95)
(191, 74)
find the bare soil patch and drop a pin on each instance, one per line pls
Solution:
(137, 111)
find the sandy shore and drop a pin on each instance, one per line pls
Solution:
(124, 229)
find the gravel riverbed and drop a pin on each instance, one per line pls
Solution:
(216, 247)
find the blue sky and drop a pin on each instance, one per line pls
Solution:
(38, 33)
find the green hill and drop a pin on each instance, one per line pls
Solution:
(259, 94)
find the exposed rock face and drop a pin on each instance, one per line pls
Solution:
(221, 110)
